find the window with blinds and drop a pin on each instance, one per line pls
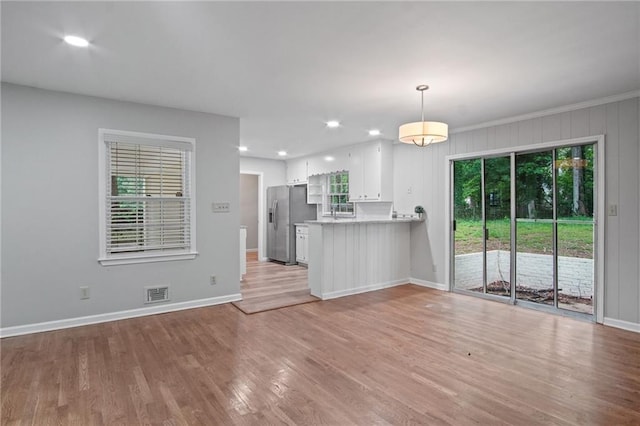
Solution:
(147, 196)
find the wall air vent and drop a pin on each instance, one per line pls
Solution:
(156, 294)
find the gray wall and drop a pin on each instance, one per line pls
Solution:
(249, 208)
(50, 200)
(421, 172)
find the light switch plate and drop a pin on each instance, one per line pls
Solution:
(84, 293)
(221, 207)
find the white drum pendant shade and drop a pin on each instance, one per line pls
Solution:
(423, 133)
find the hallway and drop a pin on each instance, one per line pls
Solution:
(270, 285)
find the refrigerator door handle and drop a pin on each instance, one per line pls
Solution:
(275, 214)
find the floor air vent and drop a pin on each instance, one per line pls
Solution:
(156, 294)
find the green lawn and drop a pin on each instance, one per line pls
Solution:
(574, 239)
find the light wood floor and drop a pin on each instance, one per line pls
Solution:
(270, 285)
(404, 355)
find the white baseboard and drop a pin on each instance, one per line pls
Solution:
(252, 250)
(429, 284)
(625, 325)
(113, 316)
(363, 289)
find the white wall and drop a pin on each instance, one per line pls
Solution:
(249, 208)
(50, 215)
(423, 170)
(274, 173)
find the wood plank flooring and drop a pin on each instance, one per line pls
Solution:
(270, 285)
(404, 355)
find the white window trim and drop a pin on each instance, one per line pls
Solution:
(126, 259)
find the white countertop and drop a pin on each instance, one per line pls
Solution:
(300, 224)
(349, 221)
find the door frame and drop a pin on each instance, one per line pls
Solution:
(599, 196)
(261, 212)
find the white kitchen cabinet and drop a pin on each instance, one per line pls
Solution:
(297, 171)
(302, 244)
(356, 174)
(339, 160)
(333, 161)
(316, 165)
(315, 189)
(372, 163)
(370, 172)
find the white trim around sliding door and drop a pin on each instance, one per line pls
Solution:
(599, 196)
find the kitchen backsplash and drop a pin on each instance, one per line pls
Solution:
(374, 210)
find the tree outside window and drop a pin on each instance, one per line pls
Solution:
(337, 195)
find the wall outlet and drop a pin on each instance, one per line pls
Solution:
(221, 207)
(434, 268)
(212, 280)
(613, 210)
(84, 293)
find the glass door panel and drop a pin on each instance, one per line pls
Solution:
(497, 205)
(535, 263)
(468, 230)
(575, 213)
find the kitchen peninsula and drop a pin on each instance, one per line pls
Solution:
(350, 256)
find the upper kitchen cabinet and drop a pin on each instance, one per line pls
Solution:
(338, 160)
(329, 162)
(297, 171)
(316, 166)
(371, 172)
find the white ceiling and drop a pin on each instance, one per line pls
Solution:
(286, 68)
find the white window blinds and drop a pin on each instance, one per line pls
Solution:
(148, 195)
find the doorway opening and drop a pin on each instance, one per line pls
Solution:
(249, 210)
(265, 285)
(524, 226)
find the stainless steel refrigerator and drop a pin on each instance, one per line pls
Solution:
(286, 205)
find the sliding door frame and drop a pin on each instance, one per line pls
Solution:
(599, 223)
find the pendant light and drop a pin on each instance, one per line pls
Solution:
(423, 133)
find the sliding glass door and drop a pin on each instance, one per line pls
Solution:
(469, 227)
(575, 227)
(482, 193)
(497, 216)
(535, 245)
(523, 227)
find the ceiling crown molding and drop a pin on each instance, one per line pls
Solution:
(550, 111)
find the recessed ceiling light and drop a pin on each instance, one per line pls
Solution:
(374, 132)
(333, 124)
(282, 153)
(243, 149)
(76, 41)
(329, 158)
